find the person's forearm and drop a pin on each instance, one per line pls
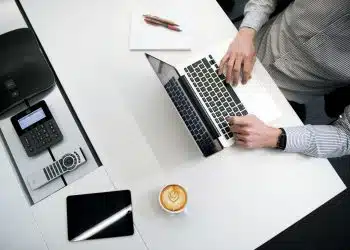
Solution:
(322, 140)
(257, 12)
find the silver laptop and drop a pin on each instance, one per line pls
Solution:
(204, 100)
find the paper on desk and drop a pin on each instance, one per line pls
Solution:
(147, 37)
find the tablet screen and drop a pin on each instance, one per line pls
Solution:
(99, 215)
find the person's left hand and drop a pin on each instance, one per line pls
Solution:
(250, 132)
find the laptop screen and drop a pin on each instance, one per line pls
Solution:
(164, 71)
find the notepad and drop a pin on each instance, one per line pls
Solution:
(147, 37)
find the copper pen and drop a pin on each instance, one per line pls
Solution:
(163, 20)
(158, 23)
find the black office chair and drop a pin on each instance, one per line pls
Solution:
(336, 101)
(24, 71)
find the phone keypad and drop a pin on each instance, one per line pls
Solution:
(41, 137)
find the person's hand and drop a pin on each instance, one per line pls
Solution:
(250, 132)
(239, 56)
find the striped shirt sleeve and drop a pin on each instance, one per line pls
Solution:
(324, 141)
(257, 13)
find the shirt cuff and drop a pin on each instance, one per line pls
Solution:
(297, 139)
(254, 20)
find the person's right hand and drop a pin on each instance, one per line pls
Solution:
(239, 56)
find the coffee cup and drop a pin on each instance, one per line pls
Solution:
(173, 198)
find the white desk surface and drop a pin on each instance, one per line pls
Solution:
(237, 199)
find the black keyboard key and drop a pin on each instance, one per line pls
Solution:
(188, 74)
(220, 126)
(222, 99)
(218, 114)
(210, 80)
(212, 93)
(215, 98)
(198, 89)
(230, 134)
(204, 70)
(229, 99)
(217, 120)
(200, 84)
(196, 79)
(214, 75)
(229, 109)
(212, 62)
(226, 94)
(200, 94)
(209, 89)
(202, 89)
(206, 63)
(241, 107)
(206, 84)
(211, 70)
(221, 108)
(201, 66)
(217, 80)
(186, 70)
(235, 109)
(209, 99)
(215, 108)
(224, 114)
(234, 95)
(203, 79)
(218, 103)
(190, 69)
(222, 77)
(223, 89)
(244, 112)
(216, 90)
(238, 114)
(220, 94)
(194, 74)
(227, 136)
(211, 57)
(213, 85)
(200, 74)
(196, 64)
(212, 104)
(198, 70)
(226, 105)
(216, 66)
(206, 94)
(191, 79)
(227, 129)
(207, 75)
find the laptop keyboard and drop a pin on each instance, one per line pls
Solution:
(219, 98)
(188, 114)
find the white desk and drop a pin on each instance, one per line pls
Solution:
(237, 199)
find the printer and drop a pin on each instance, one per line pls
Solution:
(24, 71)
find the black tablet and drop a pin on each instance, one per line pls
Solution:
(99, 215)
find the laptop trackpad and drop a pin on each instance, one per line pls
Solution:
(257, 101)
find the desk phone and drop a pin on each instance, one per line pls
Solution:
(36, 128)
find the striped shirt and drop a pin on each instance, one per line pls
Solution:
(306, 47)
(321, 140)
(306, 50)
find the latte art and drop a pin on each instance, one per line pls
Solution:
(173, 198)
